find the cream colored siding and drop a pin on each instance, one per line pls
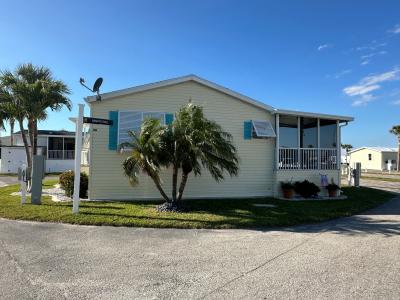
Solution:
(311, 175)
(361, 156)
(256, 177)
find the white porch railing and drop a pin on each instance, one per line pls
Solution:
(60, 154)
(308, 158)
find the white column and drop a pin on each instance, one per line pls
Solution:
(277, 141)
(298, 143)
(338, 145)
(78, 150)
(318, 144)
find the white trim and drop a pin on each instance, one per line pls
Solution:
(314, 115)
(174, 81)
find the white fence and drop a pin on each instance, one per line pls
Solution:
(308, 158)
(60, 154)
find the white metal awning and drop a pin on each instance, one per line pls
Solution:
(263, 129)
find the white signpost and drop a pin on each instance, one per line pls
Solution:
(78, 150)
(77, 167)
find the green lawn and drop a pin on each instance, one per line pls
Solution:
(228, 213)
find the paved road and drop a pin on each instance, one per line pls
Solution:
(356, 257)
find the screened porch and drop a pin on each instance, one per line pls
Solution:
(307, 143)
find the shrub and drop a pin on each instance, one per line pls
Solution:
(306, 189)
(287, 185)
(67, 183)
(332, 186)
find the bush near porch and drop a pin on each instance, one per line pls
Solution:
(228, 213)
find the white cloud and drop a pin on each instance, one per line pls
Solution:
(365, 62)
(357, 90)
(368, 84)
(323, 46)
(342, 73)
(387, 76)
(363, 100)
(396, 102)
(395, 29)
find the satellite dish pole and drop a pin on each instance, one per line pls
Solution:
(96, 86)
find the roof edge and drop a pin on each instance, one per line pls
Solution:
(177, 80)
(315, 115)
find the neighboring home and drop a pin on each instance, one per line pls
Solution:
(374, 158)
(58, 146)
(273, 145)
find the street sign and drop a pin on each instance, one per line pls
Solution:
(97, 121)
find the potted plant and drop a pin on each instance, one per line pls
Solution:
(287, 189)
(306, 189)
(332, 189)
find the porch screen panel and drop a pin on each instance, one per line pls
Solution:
(328, 133)
(288, 132)
(308, 133)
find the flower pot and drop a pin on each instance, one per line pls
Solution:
(288, 193)
(332, 193)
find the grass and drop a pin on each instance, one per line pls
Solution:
(381, 178)
(230, 213)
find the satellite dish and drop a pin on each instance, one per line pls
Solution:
(97, 84)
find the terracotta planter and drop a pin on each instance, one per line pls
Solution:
(288, 193)
(332, 193)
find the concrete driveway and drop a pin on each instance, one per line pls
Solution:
(356, 257)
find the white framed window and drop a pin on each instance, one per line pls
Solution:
(263, 129)
(132, 121)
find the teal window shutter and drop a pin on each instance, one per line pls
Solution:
(113, 130)
(169, 118)
(247, 130)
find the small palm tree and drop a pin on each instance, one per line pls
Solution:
(144, 154)
(396, 131)
(189, 144)
(202, 143)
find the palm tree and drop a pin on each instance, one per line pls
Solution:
(12, 109)
(144, 151)
(201, 143)
(189, 144)
(396, 131)
(40, 92)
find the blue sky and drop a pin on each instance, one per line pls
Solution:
(338, 57)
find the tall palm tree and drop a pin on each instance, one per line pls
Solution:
(144, 150)
(30, 91)
(396, 131)
(40, 92)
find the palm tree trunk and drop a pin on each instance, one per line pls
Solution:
(174, 182)
(12, 123)
(26, 145)
(35, 136)
(160, 189)
(182, 186)
(398, 156)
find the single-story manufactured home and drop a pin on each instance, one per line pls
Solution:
(374, 158)
(58, 147)
(274, 145)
